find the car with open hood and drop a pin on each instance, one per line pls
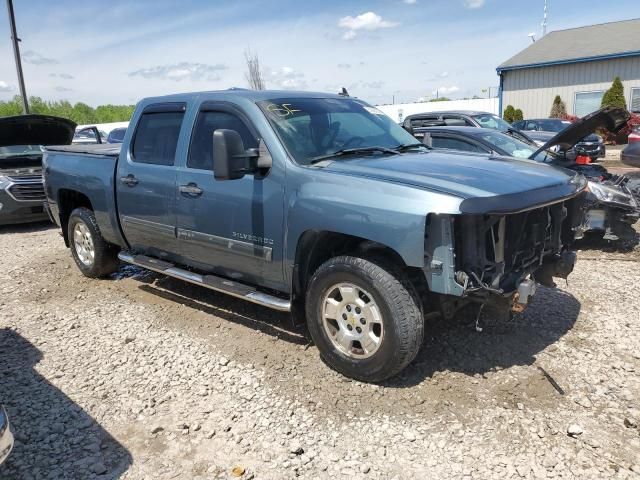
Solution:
(541, 130)
(21, 148)
(611, 207)
(321, 206)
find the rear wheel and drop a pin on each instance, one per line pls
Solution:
(364, 318)
(92, 254)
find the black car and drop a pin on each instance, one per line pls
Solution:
(21, 140)
(543, 129)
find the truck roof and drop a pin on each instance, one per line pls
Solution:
(252, 95)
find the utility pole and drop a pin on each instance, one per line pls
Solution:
(544, 18)
(16, 52)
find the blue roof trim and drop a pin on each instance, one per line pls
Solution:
(570, 60)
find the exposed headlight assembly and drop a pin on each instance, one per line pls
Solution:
(605, 193)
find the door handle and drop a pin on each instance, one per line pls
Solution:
(129, 180)
(190, 189)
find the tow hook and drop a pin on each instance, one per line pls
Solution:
(522, 297)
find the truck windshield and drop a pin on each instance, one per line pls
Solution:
(313, 127)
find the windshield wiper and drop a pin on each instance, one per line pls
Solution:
(353, 151)
(408, 146)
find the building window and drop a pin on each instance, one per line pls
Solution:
(635, 100)
(587, 102)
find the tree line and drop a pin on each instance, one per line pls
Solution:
(81, 113)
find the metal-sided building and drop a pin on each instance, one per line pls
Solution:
(578, 64)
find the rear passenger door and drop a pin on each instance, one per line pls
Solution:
(146, 181)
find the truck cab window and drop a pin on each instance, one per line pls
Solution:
(156, 138)
(201, 150)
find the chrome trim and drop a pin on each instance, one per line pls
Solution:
(13, 181)
(161, 228)
(238, 247)
(212, 282)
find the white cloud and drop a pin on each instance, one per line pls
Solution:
(344, 65)
(285, 78)
(410, 2)
(446, 90)
(349, 35)
(35, 58)
(369, 21)
(5, 87)
(473, 3)
(64, 76)
(181, 71)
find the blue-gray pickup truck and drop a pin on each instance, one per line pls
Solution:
(319, 205)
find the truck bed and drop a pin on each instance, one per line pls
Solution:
(89, 171)
(103, 149)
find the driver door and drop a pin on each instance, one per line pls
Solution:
(230, 227)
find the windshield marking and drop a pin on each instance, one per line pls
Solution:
(282, 110)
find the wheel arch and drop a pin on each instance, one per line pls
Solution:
(68, 201)
(315, 247)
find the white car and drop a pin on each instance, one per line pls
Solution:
(6, 437)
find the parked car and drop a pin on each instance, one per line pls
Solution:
(88, 136)
(459, 118)
(318, 205)
(116, 135)
(21, 141)
(543, 129)
(611, 207)
(630, 155)
(6, 437)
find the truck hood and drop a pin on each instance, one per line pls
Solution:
(35, 130)
(610, 118)
(468, 176)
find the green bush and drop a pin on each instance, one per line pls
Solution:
(518, 115)
(81, 113)
(508, 114)
(512, 114)
(614, 97)
(558, 109)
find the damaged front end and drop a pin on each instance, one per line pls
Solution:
(612, 209)
(496, 259)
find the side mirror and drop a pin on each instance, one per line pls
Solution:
(230, 161)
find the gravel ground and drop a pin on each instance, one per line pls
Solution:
(144, 377)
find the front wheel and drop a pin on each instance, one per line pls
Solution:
(364, 318)
(93, 255)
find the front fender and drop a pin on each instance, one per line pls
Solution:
(387, 213)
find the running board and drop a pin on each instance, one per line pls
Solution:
(212, 282)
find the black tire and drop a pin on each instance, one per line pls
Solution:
(402, 318)
(105, 260)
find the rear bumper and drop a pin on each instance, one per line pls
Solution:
(14, 212)
(6, 437)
